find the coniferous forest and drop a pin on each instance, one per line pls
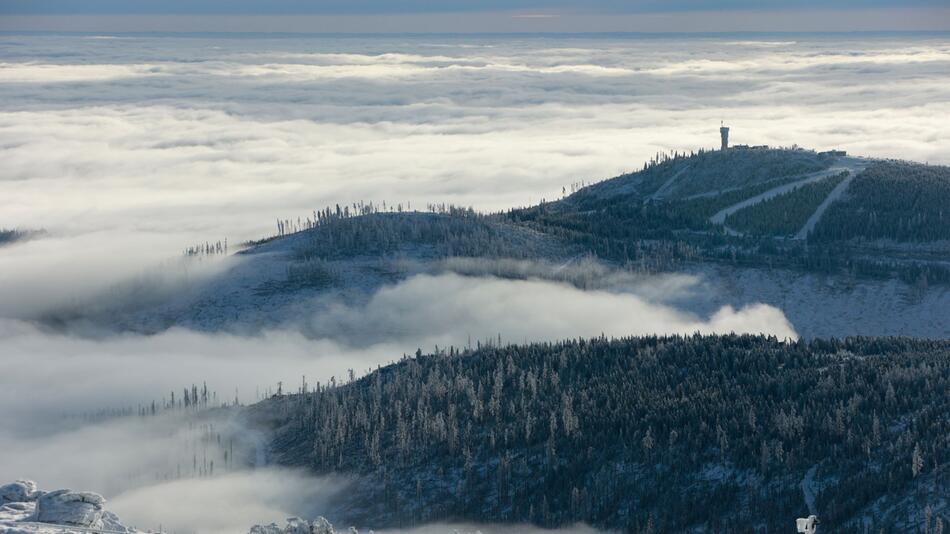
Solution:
(654, 434)
(893, 200)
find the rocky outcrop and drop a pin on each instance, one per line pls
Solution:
(22, 503)
(19, 491)
(66, 507)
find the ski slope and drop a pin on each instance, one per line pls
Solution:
(820, 211)
(846, 164)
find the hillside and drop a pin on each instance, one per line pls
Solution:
(792, 208)
(902, 202)
(283, 280)
(705, 173)
(744, 222)
(705, 434)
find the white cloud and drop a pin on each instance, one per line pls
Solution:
(450, 309)
(56, 73)
(231, 504)
(49, 373)
(62, 273)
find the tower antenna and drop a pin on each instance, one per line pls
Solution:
(724, 135)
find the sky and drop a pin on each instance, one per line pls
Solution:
(462, 16)
(430, 6)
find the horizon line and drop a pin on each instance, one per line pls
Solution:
(477, 33)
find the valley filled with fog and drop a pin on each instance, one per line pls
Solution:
(122, 151)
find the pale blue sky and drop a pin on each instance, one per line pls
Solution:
(272, 7)
(460, 16)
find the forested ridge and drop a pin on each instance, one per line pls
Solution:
(660, 218)
(652, 434)
(892, 200)
(647, 218)
(454, 232)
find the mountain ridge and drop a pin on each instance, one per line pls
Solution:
(352, 251)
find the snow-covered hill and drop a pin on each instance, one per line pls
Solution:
(825, 305)
(271, 285)
(254, 292)
(278, 283)
(667, 218)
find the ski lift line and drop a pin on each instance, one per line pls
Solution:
(720, 217)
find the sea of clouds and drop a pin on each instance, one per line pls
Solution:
(126, 149)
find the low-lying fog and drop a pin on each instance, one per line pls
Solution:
(59, 388)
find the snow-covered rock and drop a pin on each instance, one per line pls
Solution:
(66, 507)
(265, 529)
(19, 491)
(26, 510)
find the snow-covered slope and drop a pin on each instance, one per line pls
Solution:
(824, 305)
(257, 288)
(285, 281)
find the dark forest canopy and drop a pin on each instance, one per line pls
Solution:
(673, 432)
(891, 200)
